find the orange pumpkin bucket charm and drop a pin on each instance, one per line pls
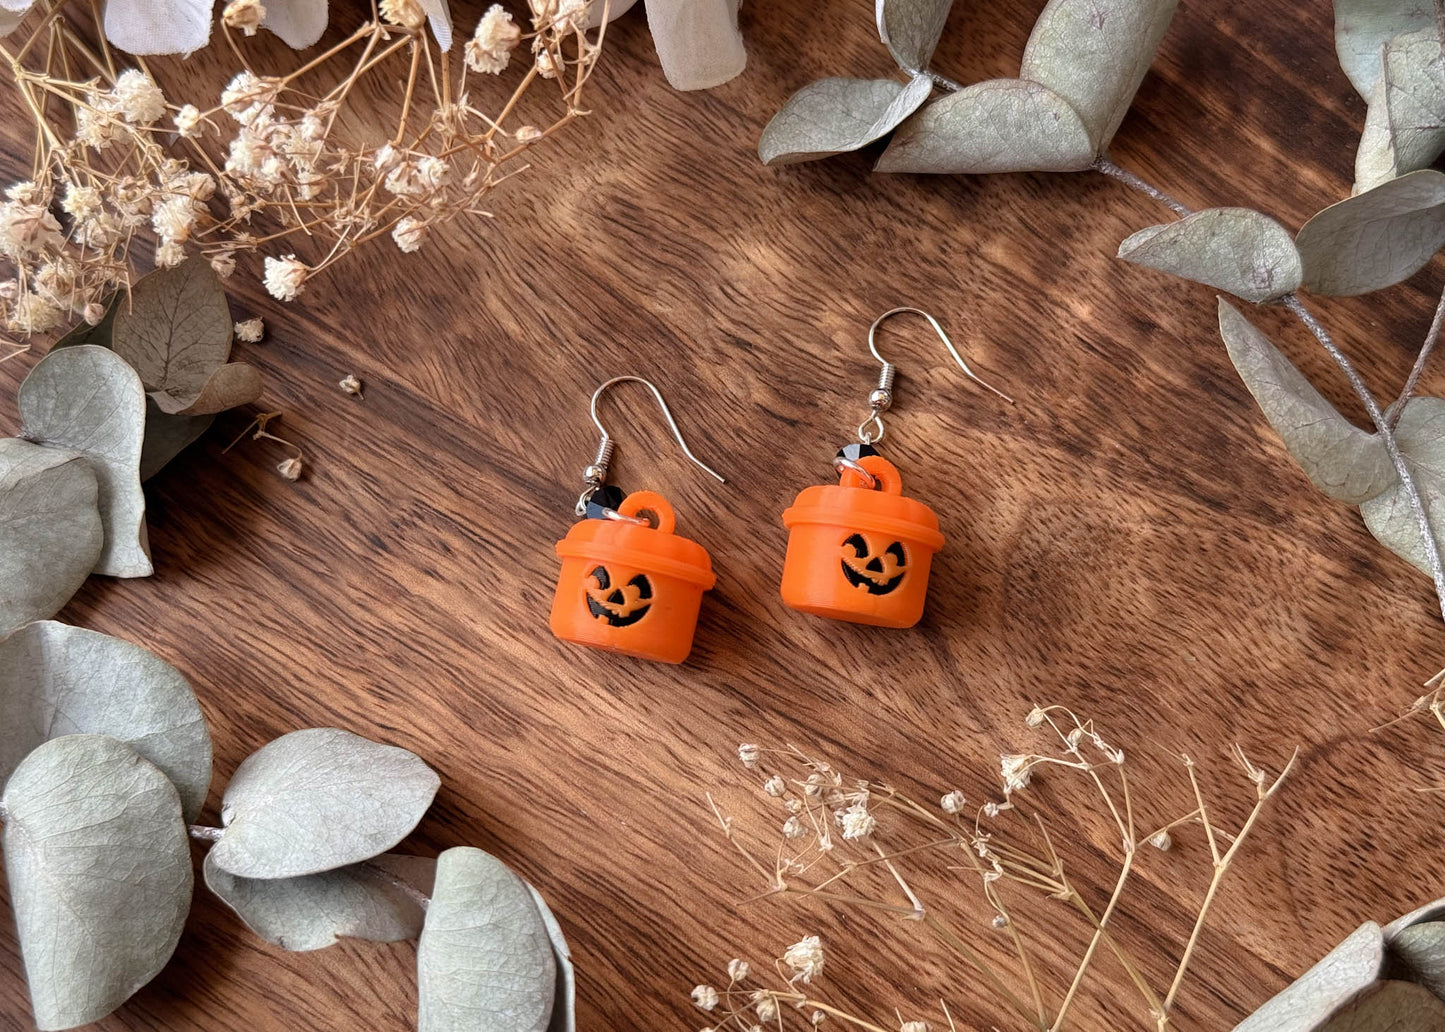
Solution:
(859, 550)
(629, 582)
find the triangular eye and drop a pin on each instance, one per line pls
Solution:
(896, 551)
(859, 546)
(643, 585)
(602, 577)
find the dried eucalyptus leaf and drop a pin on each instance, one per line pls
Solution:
(697, 41)
(60, 680)
(50, 532)
(360, 901)
(1414, 78)
(1363, 27)
(232, 384)
(145, 27)
(175, 331)
(1340, 459)
(1377, 238)
(832, 116)
(1434, 911)
(1002, 125)
(564, 1004)
(100, 875)
(1389, 1006)
(484, 960)
(1094, 54)
(89, 400)
(1389, 516)
(299, 23)
(1319, 992)
(1235, 249)
(910, 29)
(1375, 157)
(99, 334)
(167, 436)
(319, 799)
(1421, 948)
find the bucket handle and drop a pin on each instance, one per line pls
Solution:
(885, 475)
(639, 502)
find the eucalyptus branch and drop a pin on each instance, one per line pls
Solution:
(1383, 425)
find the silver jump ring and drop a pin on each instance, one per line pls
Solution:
(841, 463)
(613, 514)
(867, 436)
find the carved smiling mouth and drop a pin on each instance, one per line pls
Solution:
(620, 607)
(876, 574)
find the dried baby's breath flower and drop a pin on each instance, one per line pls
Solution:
(765, 1005)
(817, 1018)
(1015, 771)
(805, 957)
(857, 822)
(705, 996)
(285, 277)
(93, 313)
(350, 384)
(34, 314)
(1035, 718)
(1161, 841)
(186, 119)
(913, 1026)
(749, 754)
(170, 254)
(794, 828)
(289, 468)
(546, 65)
(999, 922)
(249, 331)
(776, 787)
(528, 134)
(406, 13)
(27, 229)
(490, 48)
(409, 234)
(245, 15)
(953, 802)
(223, 263)
(138, 98)
(737, 969)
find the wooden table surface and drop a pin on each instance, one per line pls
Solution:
(1130, 539)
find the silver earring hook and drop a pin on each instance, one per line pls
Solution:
(595, 475)
(880, 400)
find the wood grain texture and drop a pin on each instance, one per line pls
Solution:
(1130, 539)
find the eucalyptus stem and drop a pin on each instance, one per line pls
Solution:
(1383, 426)
(1397, 408)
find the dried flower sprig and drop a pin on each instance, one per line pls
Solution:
(276, 167)
(852, 843)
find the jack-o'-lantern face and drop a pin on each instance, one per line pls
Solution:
(620, 606)
(878, 573)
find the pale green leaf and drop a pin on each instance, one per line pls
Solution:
(87, 399)
(1377, 238)
(360, 901)
(99, 867)
(1414, 81)
(1235, 249)
(1433, 911)
(1003, 125)
(175, 331)
(832, 116)
(1388, 1006)
(1389, 516)
(319, 799)
(1094, 54)
(697, 41)
(564, 1003)
(910, 29)
(60, 680)
(485, 960)
(1342, 460)
(1362, 28)
(1350, 967)
(1375, 157)
(50, 532)
(167, 436)
(1421, 948)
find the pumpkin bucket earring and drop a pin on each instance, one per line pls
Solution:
(629, 584)
(859, 550)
